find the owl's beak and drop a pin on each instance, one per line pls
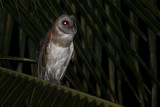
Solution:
(74, 20)
(73, 25)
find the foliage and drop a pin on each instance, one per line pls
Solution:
(18, 87)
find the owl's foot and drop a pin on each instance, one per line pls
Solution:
(55, 81)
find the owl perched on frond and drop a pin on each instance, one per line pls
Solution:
(57, 49)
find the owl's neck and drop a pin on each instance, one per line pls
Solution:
(59, 39)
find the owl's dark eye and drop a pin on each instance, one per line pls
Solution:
(65, 22)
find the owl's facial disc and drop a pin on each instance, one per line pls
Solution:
(67, 24)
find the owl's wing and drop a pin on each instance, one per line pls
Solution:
(71, 55)
(43, 56)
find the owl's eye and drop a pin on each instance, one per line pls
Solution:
(65, 23)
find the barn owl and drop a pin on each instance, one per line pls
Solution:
(57, 49)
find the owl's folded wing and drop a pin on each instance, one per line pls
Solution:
(43, 54)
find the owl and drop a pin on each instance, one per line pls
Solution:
(57, 49)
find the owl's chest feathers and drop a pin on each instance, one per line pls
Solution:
(57, 52)
(57, 57)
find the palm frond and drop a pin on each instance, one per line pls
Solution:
(18, 87)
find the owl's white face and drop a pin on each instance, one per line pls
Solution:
(67, 24)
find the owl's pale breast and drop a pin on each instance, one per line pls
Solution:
(57, 59)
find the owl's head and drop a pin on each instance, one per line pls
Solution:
(67, 24)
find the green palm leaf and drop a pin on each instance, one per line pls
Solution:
(18, 87)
